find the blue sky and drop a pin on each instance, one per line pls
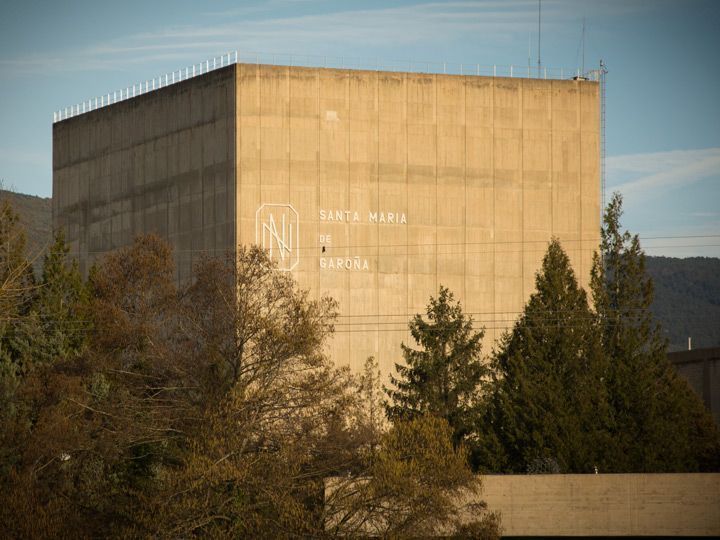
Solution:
(663, 86)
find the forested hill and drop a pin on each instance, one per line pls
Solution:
(36, 217)
(687, 299)
(687, 291)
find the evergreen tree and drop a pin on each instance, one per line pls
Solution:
(658, 424)
(549, 407)
(16, 277)
(16, 288)
(212, 411)
(55, 325)
(444, 377)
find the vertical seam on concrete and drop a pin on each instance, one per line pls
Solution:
(237, 144)
(201, 173)
(407, 200)
(288, 148)
(259, 132)
(435, 119)
(317, 165)
(465, 209)
(493, 281)
(377, 226)
(521, 86)
(348, 309)
(552, 174)
(580, 180)
(167, 187)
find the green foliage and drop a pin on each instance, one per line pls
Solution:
(46, 326)
(16, 289)
(415, 488)
(576, 389)
(38, 324)
(657, 423)
(16, 277)
(444, 377)
(549, 403)
(622, 291)
(35, 218)
(55, 326)
(367, 415)
(206, 410)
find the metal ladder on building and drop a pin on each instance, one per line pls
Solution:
(602, 72)
(600, 75)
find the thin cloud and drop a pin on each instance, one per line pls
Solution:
(493, 23)
(638, 174)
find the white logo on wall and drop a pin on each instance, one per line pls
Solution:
(277, 229)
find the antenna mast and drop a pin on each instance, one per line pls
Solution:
(539, 9)
(529, 54)
(583, 49)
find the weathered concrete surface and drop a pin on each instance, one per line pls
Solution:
(428, 179)
(482, 172)
(606, 504)
(162, 162)
(701, 369)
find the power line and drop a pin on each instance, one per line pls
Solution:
(547, 317)
(431, 246)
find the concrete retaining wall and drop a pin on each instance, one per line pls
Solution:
(606, 504)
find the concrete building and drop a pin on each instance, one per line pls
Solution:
(374, 187)
(661, 505)
(701, 369)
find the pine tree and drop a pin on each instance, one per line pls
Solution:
(658, 424)
(549, 406)
(16, 277)
(16, 289)
(55, 325)
(444, 377)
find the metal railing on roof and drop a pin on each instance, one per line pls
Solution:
(143, 87)
(337, 62)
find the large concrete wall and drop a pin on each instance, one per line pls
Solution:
(477, 173)
(163, 162)
(701, 369)
(480, 172)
